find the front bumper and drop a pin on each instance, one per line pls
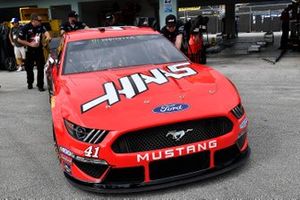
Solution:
(162, 183)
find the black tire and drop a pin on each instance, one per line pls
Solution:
(10, 64)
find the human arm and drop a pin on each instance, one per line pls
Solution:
(63, 29)
(178, 41)
(29, 44)
(62, 32)
(48, 36)
(10, 38)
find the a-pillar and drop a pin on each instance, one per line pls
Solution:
(230, 20)
(166, 7)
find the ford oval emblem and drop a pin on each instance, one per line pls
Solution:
(169, 108)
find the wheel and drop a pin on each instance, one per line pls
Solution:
(10, 64)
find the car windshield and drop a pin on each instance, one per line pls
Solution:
(108, 53)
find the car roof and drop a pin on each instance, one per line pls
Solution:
(106, 32)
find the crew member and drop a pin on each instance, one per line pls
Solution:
(19, 49)
(110, 19)
(30, 36)
(113, 19)
(173, 31)
(285, 18)
(72, 24)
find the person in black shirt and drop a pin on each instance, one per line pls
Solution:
(30, 36)
(72, 24)
(285, 18)
(173, 31)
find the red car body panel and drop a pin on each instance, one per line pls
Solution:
(207, 93)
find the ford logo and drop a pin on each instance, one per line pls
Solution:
(169, 108)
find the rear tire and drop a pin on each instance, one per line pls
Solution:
(10, 64)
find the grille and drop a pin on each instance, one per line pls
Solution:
(94, 170)
(125, 175)
(238, 111)
(180, 165)
(163, 136)
(226, 156)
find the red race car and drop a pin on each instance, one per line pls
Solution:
(131, 113)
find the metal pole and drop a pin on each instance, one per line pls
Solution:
(217, 31)
(250, 19)
(270, 24)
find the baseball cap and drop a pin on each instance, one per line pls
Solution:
(14, 20)
(73, 14)
(170, 19)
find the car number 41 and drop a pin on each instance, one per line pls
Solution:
(92, 152)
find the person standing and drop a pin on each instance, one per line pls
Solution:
(72, 24)
(19, 49)
(285, 18)
(5, 48)
(173, 31)
(30, 36)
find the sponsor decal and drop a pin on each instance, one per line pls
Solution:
(92, 152)
(136, 84)
(66, 158)
(67, 152)
(177, 135)
(244, 123)
(170, 153)
(169, 108)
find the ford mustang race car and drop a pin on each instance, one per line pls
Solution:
(131, 113)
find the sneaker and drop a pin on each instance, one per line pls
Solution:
(19, 69)
(29, 86)
(41, 89)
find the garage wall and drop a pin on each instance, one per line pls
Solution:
(93, 13)
(41, 4)
(146, 7)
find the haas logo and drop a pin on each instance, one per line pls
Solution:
(177, 135)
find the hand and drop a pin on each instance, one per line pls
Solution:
(48, 39)
(34, 44)
(13, 44)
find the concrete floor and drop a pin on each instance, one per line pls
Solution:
(271, 97)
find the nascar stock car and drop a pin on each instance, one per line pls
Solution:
(131, 113)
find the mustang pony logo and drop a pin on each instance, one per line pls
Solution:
(135, 84)
(177, 135)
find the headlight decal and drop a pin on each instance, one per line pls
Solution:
(83, 134)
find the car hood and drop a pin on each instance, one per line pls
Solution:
(86, 98)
